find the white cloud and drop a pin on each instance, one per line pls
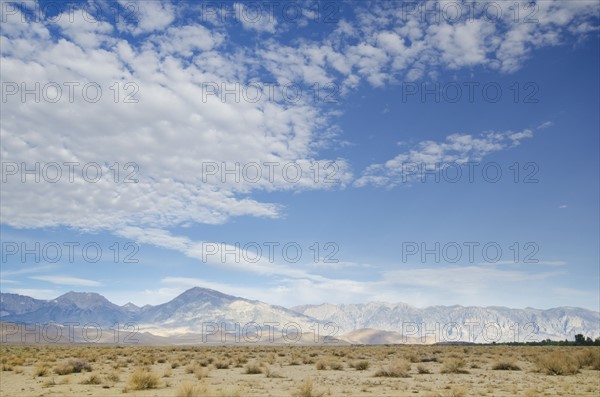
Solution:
(148, 16)
(67, 280)
(171, 133)
(44, 294)
(255, 17)
(456, 149)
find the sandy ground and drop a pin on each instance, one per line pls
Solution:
(285, 370)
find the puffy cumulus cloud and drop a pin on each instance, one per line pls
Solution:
(147, 16)
(397, 41)
(253, 17)
(457, 148)
(158, 105)
(187, 40)
(462, 44)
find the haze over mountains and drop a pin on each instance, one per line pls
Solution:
(200, 311)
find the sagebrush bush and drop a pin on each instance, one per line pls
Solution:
(307, 389)
(253, 369)
(505, 366)
(41, 370)
(590, 358)
(188, 390)
(72, 366)
(360, 365)
(336, 366)
(397, 369)
(454, 366)
(142, 379)
(92, 380)
(558, 363)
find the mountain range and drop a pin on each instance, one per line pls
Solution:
(204, 315)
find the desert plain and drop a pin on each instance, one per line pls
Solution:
(296, 370)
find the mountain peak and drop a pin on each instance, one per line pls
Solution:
(205, 294)
(83, 300)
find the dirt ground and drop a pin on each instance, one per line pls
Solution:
(46, 370)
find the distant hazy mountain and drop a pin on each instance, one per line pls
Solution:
(197, 311)
(13, 304)
(201, 311)
(72, 307)
(458, 323)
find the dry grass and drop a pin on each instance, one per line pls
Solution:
(558, 363)
(307, 389)
(189, 390)
(505, 366)
(590, 358)
(142, 379)
(92, 380)
(118, 369)
(360, 365)
(454, 366)
(398, 369)
(253, 369)
(72, 366)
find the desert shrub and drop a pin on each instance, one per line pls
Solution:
(92, 380)
(221, 364)
(458, 391)
(142, 379)
(590, 358)
(72, 366)
(200, 373)
(360, 365)
(188, 390)
(422, 370)
(269, 373)
(307, 389)
(454, 366)
(41, 370)
(558, 363)
(397, 369)
(336, 366)
(321, 365)
(505, 366)
(308, 360)
(253, 369)
(113, 377)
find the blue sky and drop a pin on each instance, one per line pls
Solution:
(369, 128)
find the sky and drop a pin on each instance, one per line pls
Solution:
(432, 153)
